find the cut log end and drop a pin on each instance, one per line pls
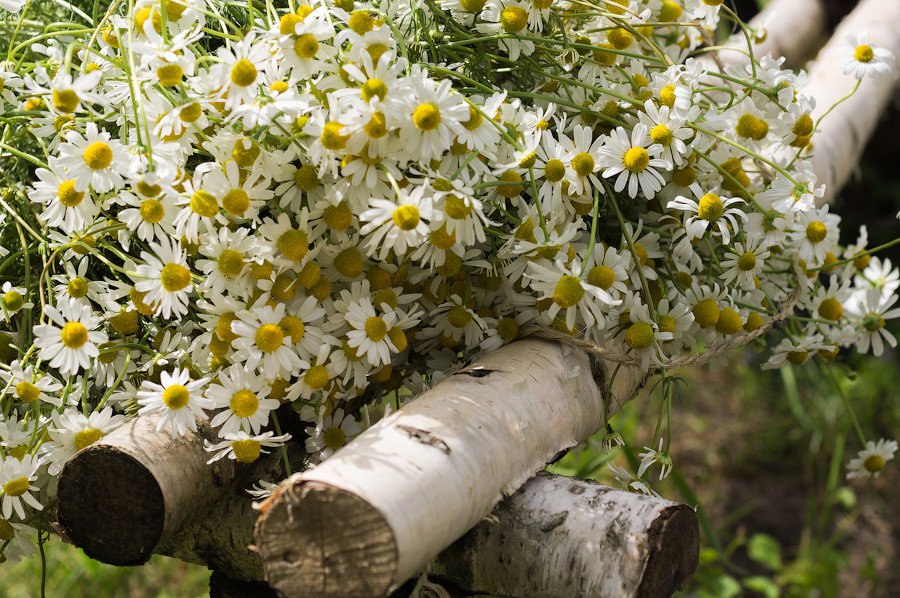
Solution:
(111, 506)
(318, 540)
(674, 539)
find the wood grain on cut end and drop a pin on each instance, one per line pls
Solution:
(674, 545)
(111, 506)
(317, 540)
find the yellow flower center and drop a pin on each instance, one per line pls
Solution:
(751, 127)
(376, 328)
(508, 329)
(190, 112)
(74, 335)
(636, 159)
(87, 437)
(68, 195)
(269, 338)
(583, 163)
(306, 178)
(711, 207)
(316, 377)
(804, 126)
(230, 262)
(7, 532)
(639, 336)
(27, 392)
(747, 261)
(459, 316)
(246, 451)
(662, 135)
(619, 38)
(77, 287)
(65, 100)
(174, 277)
(375, 51)
(293, 244)
(349, 262)
(306, 46)
(670, 11)
(176, 396)
(473, 6)
(426, 116)
(204, 204)
(602, 276)
(831, 309)
(729, 321)
(339, 217)
(568, 291)
(361, 22)
(513, 19)
(874, 463)
(152, 211)
(555, 170)
(98, 155)
(706, 313)
(293, 327)
(797, 357)
(373, 88)
(873, 321)
(334, 438)
(288, 22)
(667, 324)
(456, 207)
(376, 128)
(243, 73)
(667, 96)
(169, 75)
(331, 137)
(236, 202)
(13, 300)
(406, 217)
(512, 184)
(864, 53)
(398, 337)
(244, 403)
(542, 4)
(16, 487)
(816, 231)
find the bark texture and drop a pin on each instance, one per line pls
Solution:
(133, 490)
(382, 508)
(839, 142)
(563, 537)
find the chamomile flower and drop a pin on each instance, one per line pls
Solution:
(635, 162)
(369, 332)
(94, 160)
(150, 218)
(864, 59)
(331, 434)
(13, 299)
(243, 447)
(745, 261)
(66, 207)
(869, 312)
(242, 396)
(570, 293)
(177, 400)
(712, 212)
(434, 116)
(165, 277)
(583, 155)
(815, 233)
(396, 226)
(242, 68)
(262, 342)
(870, 461)
(28, 385)
(73, 431)
(17, 478)
(70, 341)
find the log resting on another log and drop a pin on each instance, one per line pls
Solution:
(378, 511)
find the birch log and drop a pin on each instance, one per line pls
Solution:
(133, 490)
(563, 537)
(794, 29)
(382, 508)
(839, 142)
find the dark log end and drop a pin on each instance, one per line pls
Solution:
(111, 506)
(674, 552)
(317, 540)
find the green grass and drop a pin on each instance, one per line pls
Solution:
(71, 574)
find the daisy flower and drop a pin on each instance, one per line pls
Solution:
(241, 70)
(569, 293)
(667, 130)
(795, 351)
(712, 211)
(243, 447)
(30, 386)
(369, 332)
(95, 160)
(177, 400)
(331, 434)
(73, 431)
(510, 17)
(165, 277)
(871, 460)
(16, 477)
(643, 336)
(262, 342)
(635, 161)
(396, 226)
(150, 218)
(583, 154)
(869, 314)
(864, 59)
(434, 114)
(13, 299)
(65, 206)
(242, 396)
(815, 233)
(745, 261)
(70, 341)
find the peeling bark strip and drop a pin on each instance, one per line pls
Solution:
(563, 537)
(133, 490)
(839, 143)
(383, 507)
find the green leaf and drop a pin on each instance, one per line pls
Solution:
(765, 550)
(763, 585)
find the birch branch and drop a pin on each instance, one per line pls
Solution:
(842, 136)
(563, 537)
(382, 508)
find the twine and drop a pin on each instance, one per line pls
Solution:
(737, 341)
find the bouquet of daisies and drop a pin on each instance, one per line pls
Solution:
(213, 210)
